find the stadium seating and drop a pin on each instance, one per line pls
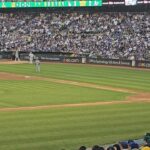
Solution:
(123, 145)
(82, 148)
(107, 35)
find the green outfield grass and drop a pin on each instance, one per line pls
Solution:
(69, 128)
(116, 77)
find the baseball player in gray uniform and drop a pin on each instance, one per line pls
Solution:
(17, 55)
(37, 65)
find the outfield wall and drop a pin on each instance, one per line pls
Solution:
(66, 58)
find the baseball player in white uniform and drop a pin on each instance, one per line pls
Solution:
(31, 57)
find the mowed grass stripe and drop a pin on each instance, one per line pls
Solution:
(65, 132)
(121, 75)
(7, 104)
(54, 136)
(28, 69)
(74, 113)
(68, 128)
(100, 71)
(15, 84)
(119, 83)
(99, 75)
(75, 70)
(126, 79)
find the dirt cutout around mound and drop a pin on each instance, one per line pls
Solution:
(136, 96)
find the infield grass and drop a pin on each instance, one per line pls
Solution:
(37, 93)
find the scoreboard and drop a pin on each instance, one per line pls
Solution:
(126, 2)
(46, 4)
(69, 3)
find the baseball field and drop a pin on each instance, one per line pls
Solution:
(68, 105)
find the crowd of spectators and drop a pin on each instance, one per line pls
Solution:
(142, 144)
(107, 35)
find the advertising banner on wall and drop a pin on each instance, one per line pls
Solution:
(130, 2)
(72, 60)
(110, 62)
